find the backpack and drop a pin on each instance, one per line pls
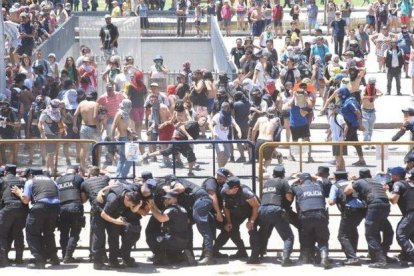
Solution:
(277, 12)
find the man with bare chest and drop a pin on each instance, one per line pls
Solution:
(89, 129)
(267, 126)
(120, 129)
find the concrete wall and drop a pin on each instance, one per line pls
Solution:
(176, 51)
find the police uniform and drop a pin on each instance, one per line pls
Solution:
(240, 210)
(12, 215)
(405, 228)
(42, 218)
(313, 218)
(198, 204)
(272, 214)
(90, 187)
(130, 234)
(175, 234)
(373, 194)
(353, 211)
(71, 219)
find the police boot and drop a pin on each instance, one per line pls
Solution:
(189, 256)
(304, 257)
(68, 259)
(19, 257)
(208, 258)
(286, 261)
(380, 260)
(3, 260)
(325, 260)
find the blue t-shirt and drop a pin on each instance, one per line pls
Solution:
(349, 109)
(26, 28)
(334, 193)
(405, 7)
(321, 51)
(295, 118)
(338, 28)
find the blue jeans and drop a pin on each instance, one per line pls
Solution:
(368, 121)
(123, 167)
(202, 217)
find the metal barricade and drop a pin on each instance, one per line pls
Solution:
(379, 156)
(22, 154)
(236, 168)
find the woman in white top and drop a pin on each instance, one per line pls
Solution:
(54, 67)
(260, 74)
(26, 66)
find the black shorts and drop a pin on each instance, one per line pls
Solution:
(336, 150)
(34, 132)
(267, 153)
(244, 132)
(28, 50)
(300, 132)
(184, 149)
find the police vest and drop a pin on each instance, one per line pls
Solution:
(310, 197)
(238, 202)
(408, 197)
(68, 192)
(376, 192)
(271, 195)
(43, 187)
(95, 184)
(177, 225)
(191, 193)
(8, 182)
(159, 192)
(342, 199)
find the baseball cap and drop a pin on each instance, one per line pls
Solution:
(364, 173)
(171, 194)
(11, 168)
(279, 169)
(408, 110)
(233, 181)
(145, 175)
(304, 176)
(341, 174)
(397, 171)
(107, 16)
(154, 84)
(223, 172)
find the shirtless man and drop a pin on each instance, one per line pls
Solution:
(267, 126)
(120, 127)
(356, 74)
(371, 93)
(163, 115)
(88, 110)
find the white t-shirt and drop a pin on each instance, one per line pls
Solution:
(336, 127)
(221, 131)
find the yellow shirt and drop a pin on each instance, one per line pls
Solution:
(116, 12)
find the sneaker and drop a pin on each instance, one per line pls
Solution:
(36, 265)
(54, 260)
(166, 164)
(353, 262)
(179, 165)
(378, 265)
(359, 163)
(100, 266)
(191, 174)
(129, 262)
(69, 260)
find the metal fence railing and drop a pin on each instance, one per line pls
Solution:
(206, 159)
(378, 156)
(33, 152)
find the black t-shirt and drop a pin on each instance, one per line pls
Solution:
(192, 128)
(90, 193)
(237, 53)
(108, 34)
(400, 188)
(249, 66)
(241, 113)
(183, 90)
(362, 187)
(114, 205)
(211, 185)
(8, 132)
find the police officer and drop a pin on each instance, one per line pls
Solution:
(89, 190)
(240, 203)
(12, 215)
(409, 160)
(323, 179)
(175, 231)
(403, 194)
(213, 186)
(41, 221)
(118, 202)
(378, 209)
(275, 192)
(312, 215)
(353, 211)
(197, 201)
(71, 219)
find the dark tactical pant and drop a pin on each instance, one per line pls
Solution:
(40, 226)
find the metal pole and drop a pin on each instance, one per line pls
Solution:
(325, 6)
(2, 57)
